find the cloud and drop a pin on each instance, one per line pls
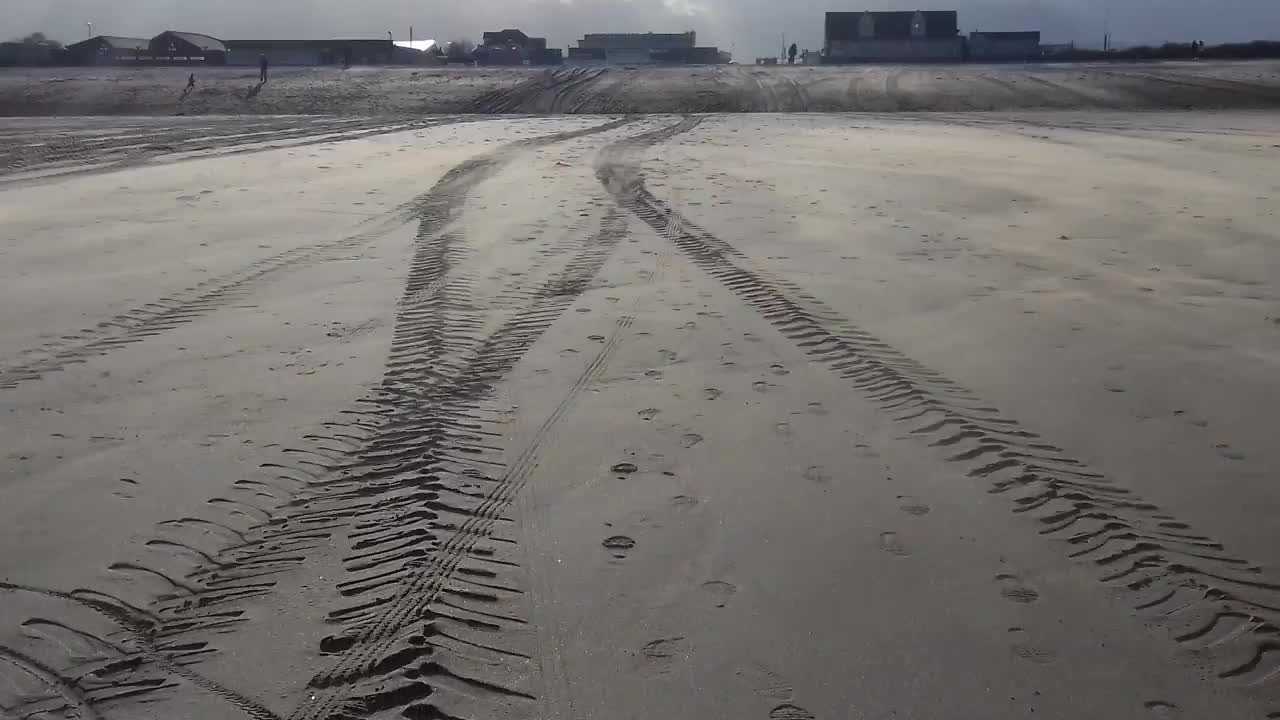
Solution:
(751, 27)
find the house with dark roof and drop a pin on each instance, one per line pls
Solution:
(184, 47)
(107, 50)
(513, 47)
(643, 48)
(897, 36)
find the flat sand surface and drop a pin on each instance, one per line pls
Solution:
(415, 91)
(938, 415)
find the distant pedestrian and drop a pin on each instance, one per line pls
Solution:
(1197, 47)
(262, 68)
(791, 53)
(191, 82)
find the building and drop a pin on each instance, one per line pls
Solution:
(1004, 46)
(513, 47)
(108, 50)
(378, 51)
(184, 47)
(908, 36)
(644, 48)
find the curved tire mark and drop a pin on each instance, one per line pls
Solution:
(1185, 580)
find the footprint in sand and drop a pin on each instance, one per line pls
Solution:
(767, 683)
(683, 502)
(912, 506)
(1022, 646)
(625, 468)
(817, 408)
(649, 413)
(892, 544)
(1168, 711)
(712, 393)
(568, 352)
(126, 489)
(787, 711)
(690, 439)
(661, 654)
(596, 338)
(1013, 589)
(779, 370)
(720, 591)
(653, 374)
(817, 474)
(619, 545)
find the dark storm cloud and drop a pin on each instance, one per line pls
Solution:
(750, 27)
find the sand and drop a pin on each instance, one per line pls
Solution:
(413, 92)
(935, 415)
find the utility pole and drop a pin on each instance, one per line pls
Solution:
(410, 36)
(90, 26)
(1106, 29)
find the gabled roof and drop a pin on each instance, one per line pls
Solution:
(506, 37)
(113, 41)
(204, 42)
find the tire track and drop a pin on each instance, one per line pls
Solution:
(1073, 97)
(860, 86)
(69, 699)
(395, 478)
(470, 500)
(894, 94)
(546, 92)
(69, 157)
(800, 101)
(1219, 606)
(567, 97)
(1262, 94)
(135, 645)
(166, 313)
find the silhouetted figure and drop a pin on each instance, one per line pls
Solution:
(791, 53)
(191, 85)
(262, 68)
(1197, 47)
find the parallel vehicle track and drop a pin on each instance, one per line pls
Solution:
(1219, 606)
(42, 158)
(412, 485)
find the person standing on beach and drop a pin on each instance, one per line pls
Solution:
(791, 53)
(262, 68)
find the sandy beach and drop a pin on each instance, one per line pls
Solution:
(415, 92)
(698, 415)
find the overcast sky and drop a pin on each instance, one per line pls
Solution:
(748, 27)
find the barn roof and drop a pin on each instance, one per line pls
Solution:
(204, 42)
(113, 41)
